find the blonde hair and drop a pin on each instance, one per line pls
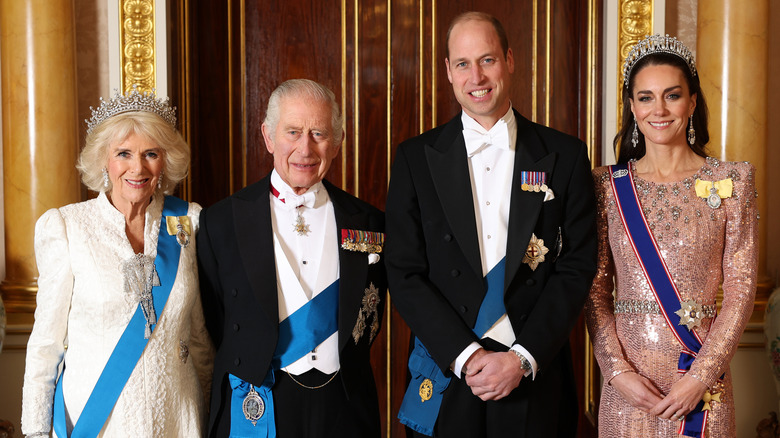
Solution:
(94, 157)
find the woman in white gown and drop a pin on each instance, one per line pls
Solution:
(105, 268)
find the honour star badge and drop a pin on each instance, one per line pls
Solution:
(535, 252)
(690, 313)
(426, 390)
(369, 310)
(301, 227)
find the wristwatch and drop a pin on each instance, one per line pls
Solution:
(525, 364)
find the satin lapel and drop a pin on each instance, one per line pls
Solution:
(530, 154)
(254, 234)
(450, 172)
(353, 265)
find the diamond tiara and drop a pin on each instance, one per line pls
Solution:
(134, 101)
(657, 44)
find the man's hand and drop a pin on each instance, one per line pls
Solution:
(493, 375)
(637, 390)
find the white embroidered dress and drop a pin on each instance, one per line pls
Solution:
(82, 311)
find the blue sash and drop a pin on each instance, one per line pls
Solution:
(299, 333)
(420, 413)
(661, 283)
(131, 344)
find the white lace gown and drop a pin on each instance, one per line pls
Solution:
(83, 309)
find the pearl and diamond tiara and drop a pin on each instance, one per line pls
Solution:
(134, 101)
(657, 44)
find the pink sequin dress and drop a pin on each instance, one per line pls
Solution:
(703, 247)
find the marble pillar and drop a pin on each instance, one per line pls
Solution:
(40, 131)
(732, 59)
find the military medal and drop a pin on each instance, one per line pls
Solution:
(301, 227)
(533, 181)
(253, 406)
(426, 390)
(362, 241)
(713, 200)
(535, 252)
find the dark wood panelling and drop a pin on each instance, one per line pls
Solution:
(229, 85)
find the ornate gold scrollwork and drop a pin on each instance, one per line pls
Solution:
(635, 21)
(138, 45)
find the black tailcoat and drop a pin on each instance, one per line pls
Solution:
(239, 293)
(435, 273)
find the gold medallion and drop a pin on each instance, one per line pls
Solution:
(708, 398)
(426, 390)
(535, 252)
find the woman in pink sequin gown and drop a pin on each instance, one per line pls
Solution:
(703, 246)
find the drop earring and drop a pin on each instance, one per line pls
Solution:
(635, 135)
(159, 180)
(105, 178)
(691, 132)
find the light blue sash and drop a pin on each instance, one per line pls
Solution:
(132, 343)
(299, 333)
(421, 413)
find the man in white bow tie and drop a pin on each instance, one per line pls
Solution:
(292, 286)
(490, 253)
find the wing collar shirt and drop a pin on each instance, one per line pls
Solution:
(305, 264)
(491, 158)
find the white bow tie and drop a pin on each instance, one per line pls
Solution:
(307, 199)
(294, 201)
(476, 139)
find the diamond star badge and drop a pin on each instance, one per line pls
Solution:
(690, 313)
(535, 252)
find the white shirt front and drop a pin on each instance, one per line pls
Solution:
(305, 264)
(491, 161)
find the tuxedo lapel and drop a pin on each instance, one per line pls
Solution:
(254, 234)
(448, 163)
(530, 154)
(353, 265)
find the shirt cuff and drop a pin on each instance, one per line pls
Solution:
(534, 367)
(457, 365)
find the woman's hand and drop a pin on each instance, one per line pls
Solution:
(637, 390)
(682, 399)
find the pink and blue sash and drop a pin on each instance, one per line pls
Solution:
(661, 283)
(131, 344)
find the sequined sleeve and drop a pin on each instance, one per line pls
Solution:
(740, 259)
(599, 307)
(46, 346)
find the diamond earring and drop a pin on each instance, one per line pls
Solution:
(159, 180)
(105, 178)
(691, 132)
(635, 135)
